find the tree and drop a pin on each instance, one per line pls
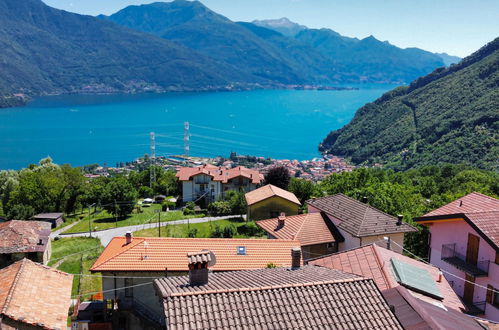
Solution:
(278, 176)
(303, 189)
(237, 202)
(119, 197)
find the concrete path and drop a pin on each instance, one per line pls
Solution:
(106, 236)
(60, 230)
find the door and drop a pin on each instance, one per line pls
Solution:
(472, 249)
(469, 289)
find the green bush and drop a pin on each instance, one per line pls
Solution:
(216, 232)
(192, 232)
(220, 208)
(229, 231)
(250, 229)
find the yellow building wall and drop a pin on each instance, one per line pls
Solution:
(265, 209)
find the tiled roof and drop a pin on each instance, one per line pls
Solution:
(357, 218)
(480, 210)
(221, 174)
(416, 314)
(268, 191)
(279, 298)
(23, 236)
(48, 216)
(35, 294)
(372, 261)
(471, 203)
(167, 253)
(308, 228)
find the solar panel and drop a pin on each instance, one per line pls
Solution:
(415, 278)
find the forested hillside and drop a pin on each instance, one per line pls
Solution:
(448, 116)
(275, 53)
(45, 50)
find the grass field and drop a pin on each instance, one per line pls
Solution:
(104, 220)
(203, 229)
(78, 255)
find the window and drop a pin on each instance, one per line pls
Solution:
(128, 290)
(415, 278)
(241, 250)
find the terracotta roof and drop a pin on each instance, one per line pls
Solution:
(416, 314)
(24, 236)
(35, 294)
(161, 253)
(309, 229)
(279, 298)
(372, 261)
(357, 218)
(471, 203)
(221, 174)
(268, 191)
(480, 211)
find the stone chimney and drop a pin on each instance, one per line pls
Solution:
(295, 258)
(399, 219)
(198, 267)
(281, 220)
(128, 237)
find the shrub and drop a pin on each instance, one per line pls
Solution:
(220, 208)
(250, 229)
(216, 232)
(229, 231)
(192, 232)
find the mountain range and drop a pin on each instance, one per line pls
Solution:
(448, 116)
(180, 46)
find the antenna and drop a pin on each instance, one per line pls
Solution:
(152, 166)
(186, 139)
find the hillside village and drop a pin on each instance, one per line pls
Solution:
(326, 262)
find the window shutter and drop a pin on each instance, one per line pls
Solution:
(489, 293)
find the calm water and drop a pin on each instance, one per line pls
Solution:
(95, 129)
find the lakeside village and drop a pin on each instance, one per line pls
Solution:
(315, 169)
(275, 261)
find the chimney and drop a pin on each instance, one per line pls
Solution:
(365, 199)
(295, 258)
(198, 267)
(128, 237)
(399, 219)
(40, 242)
(439, 276)
(281, 220)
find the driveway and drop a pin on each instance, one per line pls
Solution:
(106, 236)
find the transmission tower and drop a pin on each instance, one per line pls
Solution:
(186, 139)
(152, 166)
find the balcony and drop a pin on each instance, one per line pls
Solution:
(452, 257)
(475, 308)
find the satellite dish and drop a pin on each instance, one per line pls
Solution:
(213, 258)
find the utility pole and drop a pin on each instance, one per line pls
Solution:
(90, 221)
(159, 223)
(152, 166)
(186, 139)
(115, 213)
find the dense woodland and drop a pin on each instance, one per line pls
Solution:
(48, 187)
(449, 116)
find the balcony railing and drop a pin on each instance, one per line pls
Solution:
(451, 256)
(475, 308)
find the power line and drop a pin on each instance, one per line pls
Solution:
(111, 290)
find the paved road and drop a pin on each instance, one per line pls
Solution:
(106, 236)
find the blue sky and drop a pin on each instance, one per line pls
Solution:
(457, 27)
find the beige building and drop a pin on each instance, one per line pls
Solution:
(270, 201)
(359, 223)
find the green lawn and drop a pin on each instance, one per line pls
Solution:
(81, 253)
(203, 229)
(104, 220)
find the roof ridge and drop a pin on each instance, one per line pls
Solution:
(480, 194)
(378, 261)
(302, 224)
(268, 287)
(129, 246)
(13, 287)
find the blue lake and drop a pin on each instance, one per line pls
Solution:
(84, 129)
